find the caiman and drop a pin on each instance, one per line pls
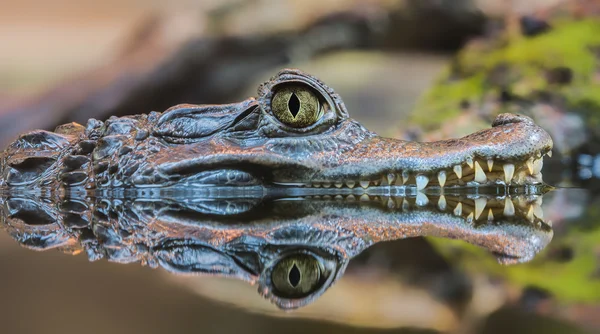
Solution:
(292, 249)
(297, 133)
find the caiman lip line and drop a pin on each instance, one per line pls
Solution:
(472, 208)
(479, 171)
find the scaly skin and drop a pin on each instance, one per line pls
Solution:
(244, 144)
(250, 238)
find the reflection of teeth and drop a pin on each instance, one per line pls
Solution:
(422, 199)
(530, 213)
(470, 217)
(509, 208)
(422, 182)
(537, 166)
(529, 164)
(469, 162)
(480, 204)
(442, 178)
(490, 215)
(509, 171)
(364, 184)
(351, 198)
(338, 197)
(490, 163)
(458, 171)
(442, 203)
(405, 206)
(405, 177)
(390, 178)
(390, 204)
(350, 184)
(364, 198)
(458, 209)
(479, 173)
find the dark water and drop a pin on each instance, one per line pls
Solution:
(359, 261)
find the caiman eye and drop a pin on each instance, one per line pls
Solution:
(296, 105)
(296, 276)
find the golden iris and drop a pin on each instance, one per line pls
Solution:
(297, 106)
(296, 275)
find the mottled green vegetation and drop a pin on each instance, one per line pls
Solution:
(561, 66)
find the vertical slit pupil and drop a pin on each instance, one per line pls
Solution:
(294, 105)
(294, 276)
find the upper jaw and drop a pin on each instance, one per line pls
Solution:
(509, 153)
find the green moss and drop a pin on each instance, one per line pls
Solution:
(480, 71)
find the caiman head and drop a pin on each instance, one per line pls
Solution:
(297, 132)
(293, 249)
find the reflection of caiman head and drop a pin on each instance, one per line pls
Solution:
(297, 132)
(294, 249)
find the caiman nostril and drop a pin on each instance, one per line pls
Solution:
(507, 118)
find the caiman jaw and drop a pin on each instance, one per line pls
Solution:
(510, 153)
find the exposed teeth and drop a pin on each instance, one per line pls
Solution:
(422, 182)
(470, 162)
(530, 213)
(537, 166)
(509, 208)
(529, 164)
(326, 185)
(480, 204)
(458, 171)
(317, 185)
(422, 199)
(390, 203)
(470, 217)
(351, 198)
(390, 178)
(549, 154)
(490, 215)
(405, 177)
(338, 184)
(364, 184)
(442, 203)
(479, 173)
(442, 178)
(509, 171)
(338, 197)
(364, 198)
(537, 211)
(350, 184)
(490, 163)
(458, 209)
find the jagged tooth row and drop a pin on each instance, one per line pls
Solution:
(533, 165)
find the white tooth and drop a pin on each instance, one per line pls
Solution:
(490, 164)
(422, 182)
(530, 213)
(549, 154)
(509, 208)
(364, 184)
(470, 217)
(509, 171)
(338, 184)
(529, 164)
(442, 203)
(458, 171)
(537, 166)
(442, 178)
(422, 199)
(469, 162)
(537, 211)
(350, 184)
(317, 185)
(390, 204)
(326, 185)
(480, 204)
(490, 215)
(458, 209)
(479, 173)
(405, 176)
(364, 198)
(390, 178)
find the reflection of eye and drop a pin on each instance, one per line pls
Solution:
(297, 275)
(296, 105)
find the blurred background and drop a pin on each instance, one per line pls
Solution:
(417, 70)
